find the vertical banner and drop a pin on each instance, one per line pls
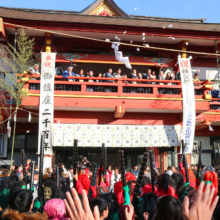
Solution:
(189, 115)
(46, 108)
(156, 157)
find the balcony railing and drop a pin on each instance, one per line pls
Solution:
(119, 86)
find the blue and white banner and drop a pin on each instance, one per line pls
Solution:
(189, 114)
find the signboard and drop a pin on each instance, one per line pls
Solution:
(46, 101)
(91, 135)
(47, 163)
(189, 115)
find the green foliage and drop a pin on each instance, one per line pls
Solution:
(15, 62)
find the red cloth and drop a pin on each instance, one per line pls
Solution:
(27, 167)
(120, 194)
(192, 178)
(170, 192)
(211, 176)
(87, 171)
(94, 194)
(109, 174)
(106, 181)
(148, 188)
(79, 187)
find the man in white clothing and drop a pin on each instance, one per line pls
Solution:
(71, 178)
(114, 179)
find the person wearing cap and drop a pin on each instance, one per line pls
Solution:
(66, 73)
(69, 72)
(196, 78)
(34, 70)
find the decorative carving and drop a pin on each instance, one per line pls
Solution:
(71, 56)
(104, 10)
(160, 61)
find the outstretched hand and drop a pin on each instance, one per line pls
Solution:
(75, 209)
(203, 206)
(129, 215)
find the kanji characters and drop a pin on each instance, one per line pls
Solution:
(46, 121)
(48, 64)
(184, 64)
(48, 58)
(47, 100)
(47, 87)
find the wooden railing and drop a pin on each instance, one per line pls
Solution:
(119, 86)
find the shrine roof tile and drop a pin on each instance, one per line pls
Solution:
(136, 21)
(202, 20)
(45, 11)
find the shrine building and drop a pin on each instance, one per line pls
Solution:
(121, 113)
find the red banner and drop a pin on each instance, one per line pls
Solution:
(156, 157)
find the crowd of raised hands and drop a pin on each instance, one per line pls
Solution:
(202, 208)
(169, 197)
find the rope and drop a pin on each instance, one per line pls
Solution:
(99, 40)
(7, 118)
(2, 122)
(27, 111)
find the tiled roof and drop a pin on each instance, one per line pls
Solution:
(135, 21)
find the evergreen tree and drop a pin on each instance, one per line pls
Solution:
(13, 63)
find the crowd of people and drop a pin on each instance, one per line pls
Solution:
(114, 75)
(83, 195)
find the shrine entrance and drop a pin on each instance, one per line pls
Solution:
(132, 156)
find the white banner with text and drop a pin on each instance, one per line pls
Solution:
(46, 109)
(189, 114)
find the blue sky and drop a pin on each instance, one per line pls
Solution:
(160, 8)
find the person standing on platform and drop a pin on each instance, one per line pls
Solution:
(161, 77)
(150, 76)
(34, 70)
(90, 88)
(67, 73)
(108, 75)
(133, 76)
(80, 74)
(196, 78)
(117, 74)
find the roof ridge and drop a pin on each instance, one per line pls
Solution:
(168, 18)
(37, 9)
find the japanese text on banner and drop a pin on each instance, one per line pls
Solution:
(46, 100)
(189, 115)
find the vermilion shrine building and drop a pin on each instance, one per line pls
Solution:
(124, 117)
